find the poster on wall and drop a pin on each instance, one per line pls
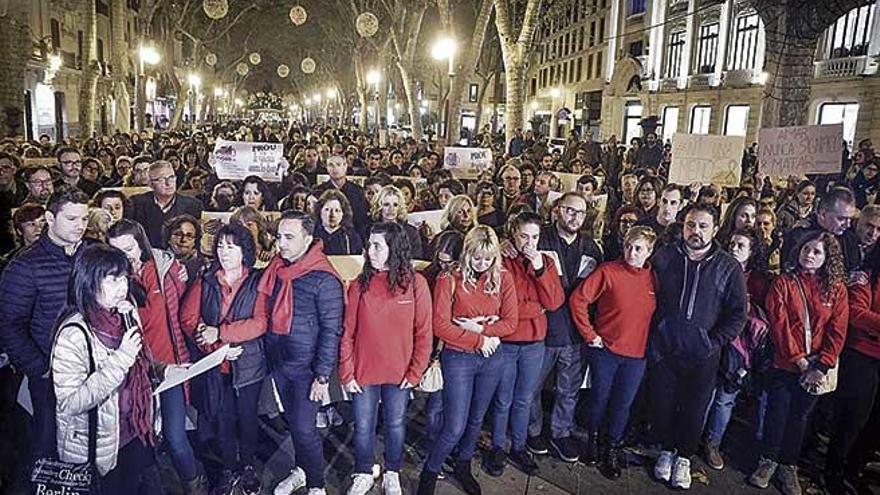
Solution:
(799, 150)
(706, 159)
(235, 160)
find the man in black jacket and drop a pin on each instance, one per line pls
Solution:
(701, 306)
(152, 209)
(70, 165)
(834, 215)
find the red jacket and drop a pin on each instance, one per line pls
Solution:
(785, 310)
(387, 335)
(864, 318)
(536, 293)
(471, 302)
(160, 316)
(626, 301)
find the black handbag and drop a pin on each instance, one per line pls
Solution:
(50, 475)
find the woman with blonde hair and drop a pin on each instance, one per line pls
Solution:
(390, 206)
(474, 306)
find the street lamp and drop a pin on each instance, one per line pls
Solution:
(195, 81)
(373, 78)
(147, 55)
(444, 49)
(555, 92)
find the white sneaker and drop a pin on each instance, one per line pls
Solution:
(361, 484)
(317, 491)
(294, 481)
(681, 474)
(321, 421)
(391, 483)
(663, 468)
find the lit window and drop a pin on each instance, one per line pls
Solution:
(669, 123)
(674, 51)
(631, 128)
(736, 122)
(850, 35)
(837, 113)
(708, 48)
(745, 42)
(700, 119)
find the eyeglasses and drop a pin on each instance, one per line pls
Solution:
(568, 210)
(181, 235)
(45, 182)
(71, 162)
(168, 180)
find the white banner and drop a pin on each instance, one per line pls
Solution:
(467, 163)
(807, 149)
(235, 160)
(706, 159)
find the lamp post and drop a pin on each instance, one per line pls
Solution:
(444, 49)
(147, 55)
(373, 78)
(195, 81)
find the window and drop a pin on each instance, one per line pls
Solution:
(580, 68)
(473, 93)
(837, 113)
(708, 48)
(99, 48)
(637, 48)
(849, 36)
(736, 122)
(636, 7)
(593, 33)
(55, 28)
(674, 50)
(669, 124)
(744, 52)
(631, 120)
(79, 49)
(601, 38)
(598, 72)
(533, 87)
(581, 39)
(700, 119)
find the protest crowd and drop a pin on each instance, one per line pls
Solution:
(567, 301)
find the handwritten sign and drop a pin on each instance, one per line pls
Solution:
(235, 160)
(808, 149)
(706, 159)
(467, 163)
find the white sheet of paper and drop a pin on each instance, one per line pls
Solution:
(24, 397)
(174, 376)
(431, 217)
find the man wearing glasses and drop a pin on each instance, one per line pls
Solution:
(153, 208)
(70, 164)
(40, 186)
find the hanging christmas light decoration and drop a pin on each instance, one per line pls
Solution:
(283, 71)
(298, 15)
(242, 69)
(367, 24)
(307, 65)
(255, 58)
(215, 9)
(211, 59)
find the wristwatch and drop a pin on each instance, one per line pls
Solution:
(323, 380)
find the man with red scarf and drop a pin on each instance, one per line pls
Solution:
(305, 300)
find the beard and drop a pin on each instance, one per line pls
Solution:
(697, 243)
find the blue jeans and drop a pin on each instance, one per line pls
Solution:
(615, 380)
(366, 405)
(568, 363)
(237, 436)
(519, 379)
(300, 412)
(469, 382)
(433, 418)
(173, 408)
(720, 410)
(788, 413)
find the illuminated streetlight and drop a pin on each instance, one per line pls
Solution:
(149, 55)
(219, 92)
(316, 97)
(194, 80)
(534, 105)
(239, 102)
(443, 49)
(373, 77)
(555, 92)
(331, 93)
(308, 101)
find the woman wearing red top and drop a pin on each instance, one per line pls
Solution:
(623, 291)
(538, 290)
(473, 308)
(384, 350)
(818, 278)
(158, 284)
(223, 307)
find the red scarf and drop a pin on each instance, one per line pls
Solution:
(314, 260)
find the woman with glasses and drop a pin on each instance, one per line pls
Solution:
(487, 214)
(183, 236)
(624, 219)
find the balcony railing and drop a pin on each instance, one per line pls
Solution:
(841, 67)
(700, 81)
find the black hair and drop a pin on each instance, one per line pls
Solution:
(64, 196)
(306, 220)
(174, 223)
(27, 212)
(454, 186)
(239, 235)
(522, 218)
(702, 207)
(103, 194)
(136, 230)
(759, 260)
(330, 195)
(66, 149)
(401, 273)
(92, 265)
(268, 198)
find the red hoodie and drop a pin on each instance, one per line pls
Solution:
(387, 335)
(626, 300)
(161, 326)
(471, 302)
(864, 318)
(785, 310)
(536, 294)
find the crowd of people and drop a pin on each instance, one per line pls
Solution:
(128, 259)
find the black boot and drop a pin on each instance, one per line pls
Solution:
(612, 462)
(493, 462)
(466, 479)
(591, 454)
(196, 486)
(427, 483)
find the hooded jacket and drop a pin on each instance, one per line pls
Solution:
(701, 305)
(864, 318)
(536, 292)
(161, 278)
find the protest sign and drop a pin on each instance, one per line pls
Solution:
(567, 182)
(467, 163)
(357, 179)
(706, 159)
(128, 191)
(235, 160)
(37, 162)
(807, 149)
(431, 217)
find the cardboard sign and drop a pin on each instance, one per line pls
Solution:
(236, 160)
(568, 182)
(36, 162)
(349, 267)
(431, 217)
(808, 149)
(357, 179)
(706, 159)
(224, 216)
(467, 163)
(128, 191)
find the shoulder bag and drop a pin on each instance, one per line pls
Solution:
(830, 383)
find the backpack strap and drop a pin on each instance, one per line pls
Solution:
(93, 412)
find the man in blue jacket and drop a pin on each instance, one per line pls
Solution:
(304, 298)
(33, 291)
(701, 306)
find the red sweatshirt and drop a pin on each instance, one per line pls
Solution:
(234, 332)
(387, 336)
(785, 310)
(161, 311)
(864, 318)
(471, 302)
(625, 298)
(536, 294)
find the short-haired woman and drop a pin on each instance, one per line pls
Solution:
(334, 224)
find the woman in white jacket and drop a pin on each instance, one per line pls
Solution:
(101, 317)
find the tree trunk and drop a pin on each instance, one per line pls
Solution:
(465, 70)
(120, 67)
(515, 48)
(415, 118)
(514, 79)
(484, 88)
(15, 44)
(179, 104)
(88, 88)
